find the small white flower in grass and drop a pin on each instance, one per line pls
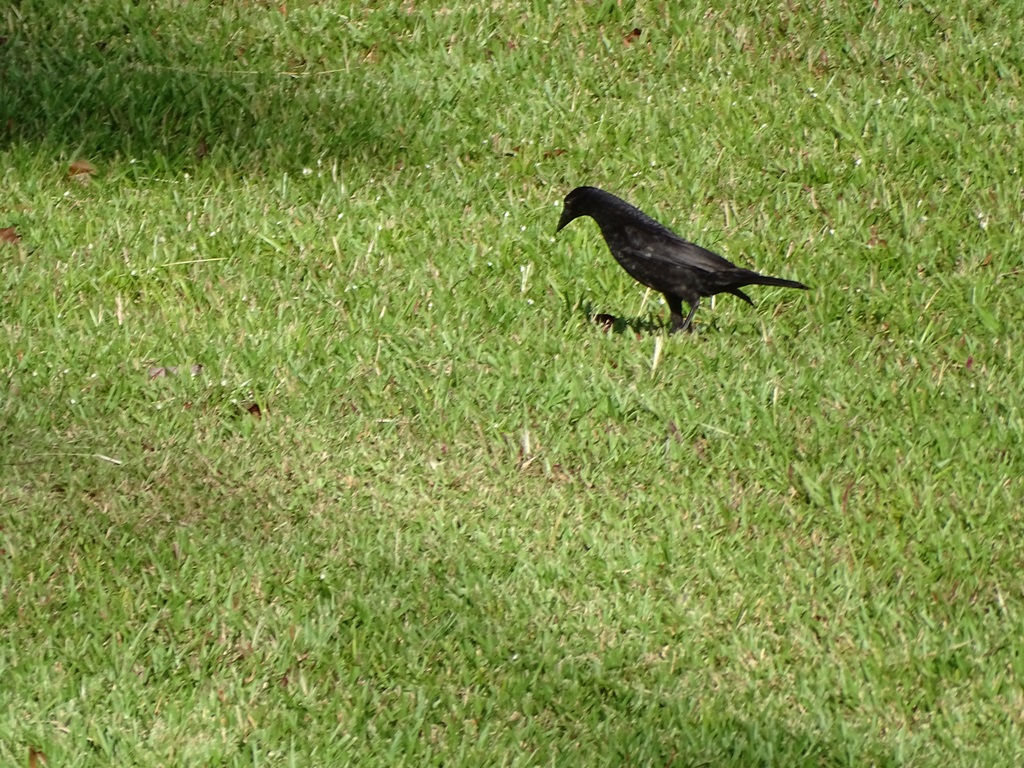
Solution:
(73, 401)
(322, 575)
(530, 302)
(133, 161)
(67, 194)
(223, 382)
(490, 263)
(858, 161)
(307, 171)
(187, 177)
(831, 231)
(340, 215)
(982, 220)
(523, 228)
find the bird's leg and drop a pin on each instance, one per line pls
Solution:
(675, 305)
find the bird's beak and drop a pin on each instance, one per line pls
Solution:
(566, 218)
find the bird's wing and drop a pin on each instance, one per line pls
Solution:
(666, 249)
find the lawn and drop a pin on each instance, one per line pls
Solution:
(312, 453)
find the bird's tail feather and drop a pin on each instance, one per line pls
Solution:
(756, 279)
(741, 294)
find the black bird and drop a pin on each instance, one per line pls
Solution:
(658, 258)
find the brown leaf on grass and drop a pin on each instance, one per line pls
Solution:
(81, 168)
(875, 240)
(633, 36)
(970, 363)
(700, 448)
(202, 150)
(557, 152)
(814, 200)
(9, 235)
(34, 757)
(254, 410)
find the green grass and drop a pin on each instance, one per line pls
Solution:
(468, 527)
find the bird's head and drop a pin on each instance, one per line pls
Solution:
(576, 205)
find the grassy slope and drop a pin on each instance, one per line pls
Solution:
(470, 527)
